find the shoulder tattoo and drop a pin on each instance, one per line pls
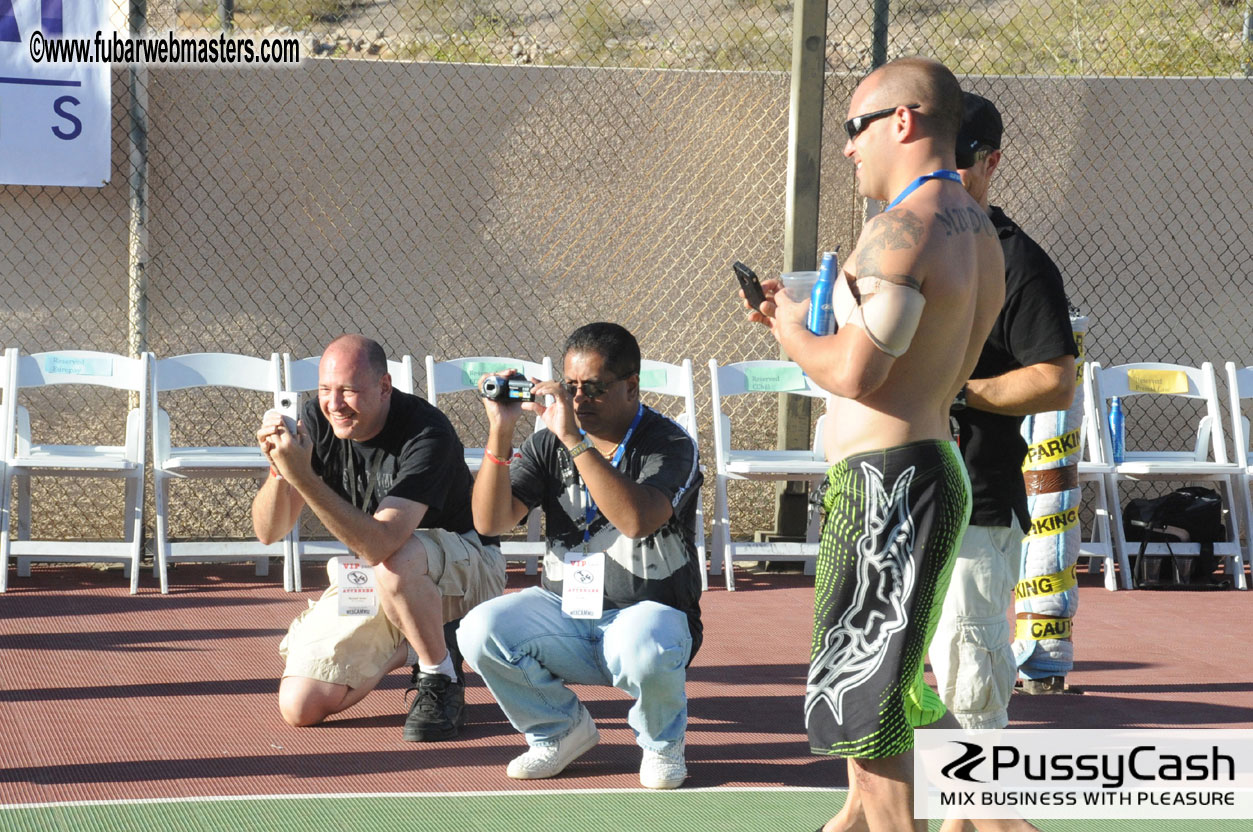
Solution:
(965, 220)
(892, 231)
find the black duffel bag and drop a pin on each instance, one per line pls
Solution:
(1186, 515)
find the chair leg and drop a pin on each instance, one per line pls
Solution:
(723, 524)
(23, 521)
(6, 483)
(1114, 501)
(297, 576)
(135, 535)
(1101, 534)
(1235, 562)
(161, 486)
(702, 551)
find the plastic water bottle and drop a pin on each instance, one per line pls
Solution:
(1117, 429)
(821, 317)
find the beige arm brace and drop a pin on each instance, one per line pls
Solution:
(888, 312)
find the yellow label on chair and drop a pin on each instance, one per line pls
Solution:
(1051, 584)
(1051, 524)
(1051, 450)
(1157, 381)
(1039, 629)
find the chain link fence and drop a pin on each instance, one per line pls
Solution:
(462, 177)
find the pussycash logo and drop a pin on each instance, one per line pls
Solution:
(1110, 770)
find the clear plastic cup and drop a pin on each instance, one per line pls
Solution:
(799, 285)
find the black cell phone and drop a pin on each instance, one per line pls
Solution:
(750, 284)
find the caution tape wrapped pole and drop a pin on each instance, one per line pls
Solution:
(1047, 597)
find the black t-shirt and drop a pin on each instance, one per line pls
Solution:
(663, 567)
(416, 456)
(1034, 326)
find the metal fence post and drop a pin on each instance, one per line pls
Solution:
(137, 240)
(800, 235)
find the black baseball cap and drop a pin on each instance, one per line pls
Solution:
(981, 127)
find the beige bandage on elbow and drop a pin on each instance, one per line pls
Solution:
(888, 312)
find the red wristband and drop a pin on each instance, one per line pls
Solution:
(491, 457)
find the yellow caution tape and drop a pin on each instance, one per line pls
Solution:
(1051, 524)
(1050, 584)
(1039, 629)
(1051, 450)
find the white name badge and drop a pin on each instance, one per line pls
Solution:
(583, 584)
(358, 592)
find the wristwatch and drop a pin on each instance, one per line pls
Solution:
(585, 445)
(959, 401)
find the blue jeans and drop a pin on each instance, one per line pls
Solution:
(526, 651)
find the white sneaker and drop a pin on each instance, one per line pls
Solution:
(551, 758)
(663, 769)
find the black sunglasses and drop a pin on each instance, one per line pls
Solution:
(856, 124)
(591, 389)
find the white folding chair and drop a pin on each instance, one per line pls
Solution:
(1095, 469)
(460, 374)
(25, 459)
(1206, 461)
(771, 377)
(300, 375)
(1240, 387)
(219, 371)
(662, 379)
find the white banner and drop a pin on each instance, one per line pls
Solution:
(1084, 774)
(55, 124)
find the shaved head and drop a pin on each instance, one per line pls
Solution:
(354, 389)
(360, 349)
(920, 81)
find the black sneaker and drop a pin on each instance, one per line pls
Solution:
(438, 711)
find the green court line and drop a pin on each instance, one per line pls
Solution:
(571, 811)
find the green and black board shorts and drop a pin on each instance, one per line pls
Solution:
(894, 522)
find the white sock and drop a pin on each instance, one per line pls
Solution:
(444, 667)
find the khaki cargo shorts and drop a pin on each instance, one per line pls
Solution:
(348, 650)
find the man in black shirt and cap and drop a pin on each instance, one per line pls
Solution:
(1027, 366)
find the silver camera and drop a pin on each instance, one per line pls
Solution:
(288, 404)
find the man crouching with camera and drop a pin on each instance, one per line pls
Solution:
(385, 473)
(618, 484)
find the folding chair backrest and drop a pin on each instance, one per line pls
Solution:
(301, 374)
(1093, 430)
(208, 370)
(81, 367)
(1160, 379)
(769, 376)
(1239, 387)
(457, 374)
(662, 379)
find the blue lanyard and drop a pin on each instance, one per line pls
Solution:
(950, 175)
(589, 511)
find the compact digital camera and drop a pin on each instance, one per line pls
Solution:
(507, 389)
(288, 403)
